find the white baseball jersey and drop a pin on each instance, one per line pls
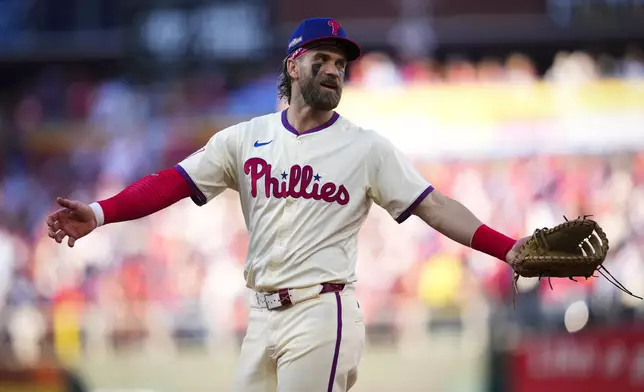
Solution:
(304, 196)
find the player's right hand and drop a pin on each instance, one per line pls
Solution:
(514, 252)
(75, 220)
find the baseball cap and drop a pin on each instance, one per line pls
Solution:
(321, 29)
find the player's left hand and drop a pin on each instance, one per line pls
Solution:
(512, 254)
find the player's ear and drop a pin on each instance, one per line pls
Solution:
(292, 69)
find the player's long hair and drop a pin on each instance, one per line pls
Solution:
(284, 83)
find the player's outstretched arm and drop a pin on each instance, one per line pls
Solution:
(144, 197)
(454, 220)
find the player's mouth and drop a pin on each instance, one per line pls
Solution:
(330, 85)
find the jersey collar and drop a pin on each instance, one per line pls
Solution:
(321, 127)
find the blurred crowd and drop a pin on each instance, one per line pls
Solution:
(177, 276)
(378, 69)
(56, 94)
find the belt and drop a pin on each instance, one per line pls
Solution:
(287, 297)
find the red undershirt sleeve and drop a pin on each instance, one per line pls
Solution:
(201, 176)
(146, 196)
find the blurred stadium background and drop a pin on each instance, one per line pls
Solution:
(524, 110)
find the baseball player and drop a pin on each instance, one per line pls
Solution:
(306, 179)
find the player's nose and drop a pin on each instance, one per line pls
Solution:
(331, 70)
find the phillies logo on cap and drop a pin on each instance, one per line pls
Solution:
(335, 26)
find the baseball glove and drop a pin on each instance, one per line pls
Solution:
(573, 249)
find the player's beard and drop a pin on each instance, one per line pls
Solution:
(318, 97)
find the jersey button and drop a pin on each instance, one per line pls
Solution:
(299, 142)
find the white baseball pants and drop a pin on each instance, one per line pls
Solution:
(311, 346)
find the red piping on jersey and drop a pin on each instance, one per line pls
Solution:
(321, 127)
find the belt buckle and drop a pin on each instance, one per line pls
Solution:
(274, 300)
(268, 300)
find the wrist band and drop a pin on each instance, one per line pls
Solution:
(492, 242)
(98, 213)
